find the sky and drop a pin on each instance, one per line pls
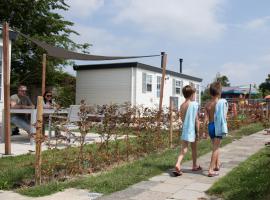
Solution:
(230, 37)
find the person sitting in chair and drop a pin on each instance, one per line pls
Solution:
(21, 101)
(47, 100)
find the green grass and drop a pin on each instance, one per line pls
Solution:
(14, 169)
(249, 181)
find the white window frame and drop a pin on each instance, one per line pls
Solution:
(158, 85)
(149, 85)
(178, 87)
(191, 84)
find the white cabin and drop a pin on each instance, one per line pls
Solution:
(12, 36)
(132, 82)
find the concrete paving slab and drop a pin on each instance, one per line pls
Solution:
(199, 187)
(151, 195)
(167, 188)
(188, 195)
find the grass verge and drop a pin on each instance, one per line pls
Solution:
(15, 168)
(250, 180)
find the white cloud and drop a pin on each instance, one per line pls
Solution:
(83, 8)
(258, 23)
(181, 19)
(242, 73)
(106, 43)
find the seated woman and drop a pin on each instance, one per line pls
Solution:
(47, 104)
(47, 100)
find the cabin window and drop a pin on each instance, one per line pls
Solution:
(177, 86)
(149, 83)
(146, 83)
(158, 85)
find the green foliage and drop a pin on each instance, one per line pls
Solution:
(205, 96)
(66, 88)
(265, 86)
(40, 20)
(121, 177)
(250, 180)
(224, 80)
(17, 169)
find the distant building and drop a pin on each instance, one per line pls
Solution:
(132, 82)
(12, 36)
(236, 91)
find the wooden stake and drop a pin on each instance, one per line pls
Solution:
(171, 121)
(39, 138)
(163, 65)
(6, 87)
(44, 60)
(267, 109)
(249, 94)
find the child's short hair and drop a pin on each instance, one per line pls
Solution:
(188, 91)
(215, 89)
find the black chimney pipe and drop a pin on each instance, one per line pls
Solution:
(181, 61)
(162, 54)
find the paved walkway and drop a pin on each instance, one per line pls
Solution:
(192, 185)
(189, 186)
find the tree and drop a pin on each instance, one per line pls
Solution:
(66, 89)
(205, 95)
(39, 19)
(224, 80)
(265, 86)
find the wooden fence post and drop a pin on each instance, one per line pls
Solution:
(171, 121)
(43, 74)
(6, 70)
(163, 65)
(39, 138)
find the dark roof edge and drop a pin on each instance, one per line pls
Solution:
(105, 66)
(133, 64)
(180, 75)
(12, 34)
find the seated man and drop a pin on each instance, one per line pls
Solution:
(21, 101)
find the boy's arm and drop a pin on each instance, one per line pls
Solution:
(197, 125)
(205, 118)
(181, 115)
(226, 110)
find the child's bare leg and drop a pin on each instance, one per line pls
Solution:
(216, 143)
(217, 164)
(218, 157)
(184, 150)
(194, 154)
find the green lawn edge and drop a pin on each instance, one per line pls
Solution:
(128, 174)
(250, 180)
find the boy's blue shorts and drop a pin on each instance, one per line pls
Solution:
(211, 131)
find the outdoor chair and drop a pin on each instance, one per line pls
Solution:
(69, 122)
(65, 123)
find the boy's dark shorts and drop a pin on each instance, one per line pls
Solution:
(211, 131)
